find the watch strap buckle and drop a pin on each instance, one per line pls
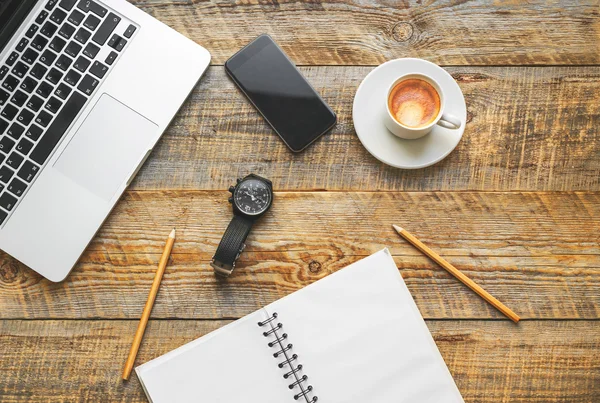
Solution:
(223, 269)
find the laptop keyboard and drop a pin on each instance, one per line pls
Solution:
(46, 80)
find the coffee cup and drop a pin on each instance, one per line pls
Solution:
(414, 105)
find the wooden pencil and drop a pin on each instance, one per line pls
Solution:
(139, 334)
(457, 273)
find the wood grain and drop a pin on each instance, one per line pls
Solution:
(528, 129)
(79, 361)
(369, 32)
(536, 252)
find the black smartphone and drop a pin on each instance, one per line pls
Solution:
(281, 94)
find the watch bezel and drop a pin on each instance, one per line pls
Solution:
(266, 182)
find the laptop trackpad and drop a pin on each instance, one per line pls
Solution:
(106, 148)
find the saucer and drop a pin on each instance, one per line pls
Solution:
(370, 106)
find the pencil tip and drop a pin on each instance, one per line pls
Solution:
(172, 234)
(397, 228)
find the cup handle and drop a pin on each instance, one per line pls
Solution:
(449, 122)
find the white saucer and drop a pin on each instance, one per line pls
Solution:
(370, 106)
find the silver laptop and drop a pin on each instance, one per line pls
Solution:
(86, 90)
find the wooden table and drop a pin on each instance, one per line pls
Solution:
(516, 205)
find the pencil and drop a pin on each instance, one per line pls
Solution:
(149, 304)
(457, 273)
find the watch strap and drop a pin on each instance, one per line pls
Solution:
(231, 246)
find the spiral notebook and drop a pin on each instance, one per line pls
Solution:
(354, 336)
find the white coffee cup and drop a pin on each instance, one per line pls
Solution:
(406, 132)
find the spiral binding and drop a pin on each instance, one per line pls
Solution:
(290, 360)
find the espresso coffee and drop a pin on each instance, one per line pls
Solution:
(414, 103)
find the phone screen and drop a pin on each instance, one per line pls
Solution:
(280, 93)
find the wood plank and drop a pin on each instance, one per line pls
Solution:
(528, 129)
(369, 32)
(536, 252)
(75, 361)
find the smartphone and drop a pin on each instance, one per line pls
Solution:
(281, 94)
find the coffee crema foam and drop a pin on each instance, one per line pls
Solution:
(414, 103)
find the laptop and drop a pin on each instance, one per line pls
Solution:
(86, 90)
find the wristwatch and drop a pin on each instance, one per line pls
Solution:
(251, 198)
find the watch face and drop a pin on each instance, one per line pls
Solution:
(252, 196)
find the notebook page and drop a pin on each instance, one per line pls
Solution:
(360, 338)
(231, 364)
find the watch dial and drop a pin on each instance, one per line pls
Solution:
(252, 196)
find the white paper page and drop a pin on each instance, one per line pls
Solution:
(231, 364)
(360, 338)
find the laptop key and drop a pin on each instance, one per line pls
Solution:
(57, 129)
(14, 160)
(29, 56)
(43, 119)
(58, 16)
(3, 125)
(28, 171)
(91, 22)
(28, 85)
(82, 35)
(88, 85)
(72, 77)
(38, 71)
(48, 58)
(66, 31)
(35, 103)
(107, 28)
(24, 146)
(62, 91)
(130, 31)
(64, 62)
(67, 4)
(88, 5)
(110, 59)
(98, 69)
(19, 98)
(76, 17)
(91, 50)
(3, 97)
(14, 56)
(7, 201)
(6, 144)
(20, 69)
(9, 112)
(3, 214)
(73, 49)
(22, 44)
(17, 187)
(39, 43)
(81, 64)
(31, 31)
(53, 104)
(50, 4)
(25, 117)
(15, 131)
(117, 43)
(10, 83)
(3, 71)
(34, 132)
(57, 44)
(41, 17)
(49, 29)
(54, 76)
(44, 90)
